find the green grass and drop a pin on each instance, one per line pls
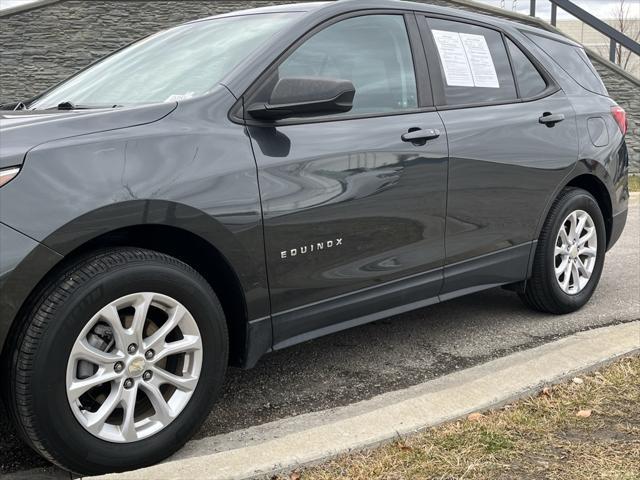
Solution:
(634, 183)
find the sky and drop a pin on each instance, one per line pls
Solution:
(600, 8)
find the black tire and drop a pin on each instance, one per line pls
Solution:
(542, 291)
(36, 392)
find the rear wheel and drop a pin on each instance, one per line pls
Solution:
(569, 255)
(119, 363)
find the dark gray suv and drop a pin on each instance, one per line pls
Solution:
(242, 183)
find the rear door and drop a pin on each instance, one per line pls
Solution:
(512, 140)
(353, 214)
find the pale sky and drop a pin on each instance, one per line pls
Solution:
(600, 8)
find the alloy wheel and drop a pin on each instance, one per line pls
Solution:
(134, 367)
(576, 251)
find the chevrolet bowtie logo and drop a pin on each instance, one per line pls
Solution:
(310, 248)
(136, 367)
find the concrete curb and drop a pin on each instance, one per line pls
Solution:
(310, 438)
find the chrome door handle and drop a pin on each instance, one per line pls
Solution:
(420, 135)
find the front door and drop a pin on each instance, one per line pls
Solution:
(353, 213)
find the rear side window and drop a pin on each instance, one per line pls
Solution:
(572, 60)
(473, 63)
(530, 82)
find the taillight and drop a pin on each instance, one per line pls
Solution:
(620, 117)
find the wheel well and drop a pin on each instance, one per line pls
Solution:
(595, 187)
(200, 255)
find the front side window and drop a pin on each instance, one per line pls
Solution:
(371, 51)
(530, 82)
(473, 63)
(179, 63)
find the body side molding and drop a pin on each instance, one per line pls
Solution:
(298, 325)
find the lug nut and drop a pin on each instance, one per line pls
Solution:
(146, 376)
(132, 348)
(118, 367)
(149, 355)
(128, 383)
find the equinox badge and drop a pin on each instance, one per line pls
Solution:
(312, 247)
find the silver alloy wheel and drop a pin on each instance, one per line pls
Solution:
(134, 367)
(576, 251)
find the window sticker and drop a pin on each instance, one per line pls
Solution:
(466, 59)
(454, 59)
(479, 56)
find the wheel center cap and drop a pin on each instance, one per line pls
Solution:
(137, 366)
(573, 252)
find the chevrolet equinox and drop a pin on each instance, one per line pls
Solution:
(242, 183)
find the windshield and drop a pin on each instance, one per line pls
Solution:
(175, 64)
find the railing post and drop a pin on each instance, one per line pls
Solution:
(532, 4)
(612, 50)
(616, 37)
(554, 14)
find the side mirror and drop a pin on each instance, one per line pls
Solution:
(305, 96)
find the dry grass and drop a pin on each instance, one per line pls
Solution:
(536, 438)
(634, 183)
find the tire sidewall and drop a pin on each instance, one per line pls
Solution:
(580, 200)
(55, 420)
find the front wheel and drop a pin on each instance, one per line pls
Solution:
(569, 255)
(119, 363)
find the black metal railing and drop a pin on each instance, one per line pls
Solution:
(615, 36)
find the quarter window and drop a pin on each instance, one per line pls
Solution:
(473, 62)
(573, 60)
(530, 82)
(371, 51)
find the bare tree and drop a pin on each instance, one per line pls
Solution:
(627, 21)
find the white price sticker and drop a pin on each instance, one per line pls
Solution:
(454, 60)
(479, 56)
(466, 60)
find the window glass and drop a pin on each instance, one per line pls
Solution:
(371, 51)
(530, 82)
(182, 62)
(473, 63)
(573, 60)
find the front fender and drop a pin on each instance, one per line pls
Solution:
(158, 212)
(31, 261)
(193, 170)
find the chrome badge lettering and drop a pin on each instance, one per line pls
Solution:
(310, 248)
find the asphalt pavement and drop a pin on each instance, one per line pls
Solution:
(396, 353)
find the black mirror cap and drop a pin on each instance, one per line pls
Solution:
(304, 96)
